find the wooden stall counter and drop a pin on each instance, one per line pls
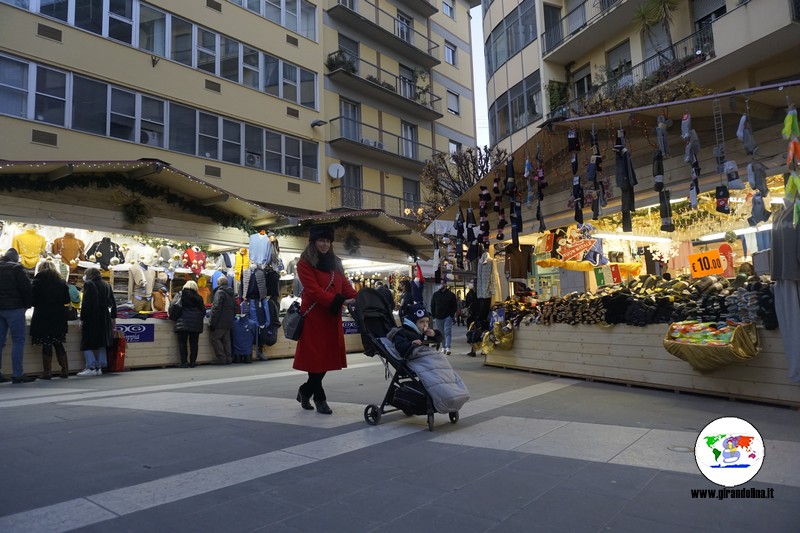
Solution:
(636, 355)
(152, 343)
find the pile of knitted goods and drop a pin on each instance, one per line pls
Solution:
(715, 299)
(574, 308)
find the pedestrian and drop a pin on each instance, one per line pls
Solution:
(223, 312)
(325, 289)
(406, 299)
(98, 321)
(15, 298)
(189, 325)
(385, 292)
(444, 305)
(471, 303)
(49, 322)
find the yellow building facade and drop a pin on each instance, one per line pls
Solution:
(596, 45)
(302, 106)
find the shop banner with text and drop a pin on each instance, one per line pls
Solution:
(138, 332)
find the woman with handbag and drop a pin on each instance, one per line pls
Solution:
(191, 311)
(325, 290)
(49, 321)
(98, 320)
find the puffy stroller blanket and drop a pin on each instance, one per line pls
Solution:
(445, 387)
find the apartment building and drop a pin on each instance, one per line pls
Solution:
(596, 45)
(302, 106)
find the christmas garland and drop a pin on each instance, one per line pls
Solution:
(13, 183)
(379, 235)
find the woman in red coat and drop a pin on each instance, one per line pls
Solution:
(325, 290)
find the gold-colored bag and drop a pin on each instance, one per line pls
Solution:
(500, 337)
(706, 358)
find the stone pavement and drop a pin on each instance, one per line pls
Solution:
(229, 449)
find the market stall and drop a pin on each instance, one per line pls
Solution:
(590, 199)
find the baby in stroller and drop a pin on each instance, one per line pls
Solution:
(444, 386)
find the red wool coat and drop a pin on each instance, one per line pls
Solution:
(321, 345)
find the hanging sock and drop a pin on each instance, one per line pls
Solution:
(723, 197)
(484, 225)
(518, 215)
(686, 126)
(497, 204)
(757, 177)
(731, 170)
(574, 164)
(501, 222)
(693, 191)
(510, 167)
(496, 185)
(719, 155)
(471, 223)
(573, 143)
(790, 127)
(740, 129)
(540, 178)
(591, 169)
(528, 168)
(658, 171)
(577, 199)
(665, 209)
(540, 218)
(511, 188)
(627, 223)
(661, 134)
(605, 192)
(760, 213)
(458, 224)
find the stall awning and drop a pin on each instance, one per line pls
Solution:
(155, 172)
(385, 228)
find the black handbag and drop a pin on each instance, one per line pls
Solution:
(293, 321)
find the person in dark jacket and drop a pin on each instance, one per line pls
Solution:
(98, 321)
(471, 304)
(15, 298)
(49, 322)
(385, 292)
(444, 305)
(406, 299)
(415, 331)
(223, 311)
(190, 323)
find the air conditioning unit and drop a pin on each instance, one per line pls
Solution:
(379, 145)
(253, 160)
(366, 141)
(152, 138)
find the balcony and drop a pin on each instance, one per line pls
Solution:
(362, 140)
(560, 44)
(669, 63)
(401, 93)
(368, 19)
(357, 198)
(423, 7)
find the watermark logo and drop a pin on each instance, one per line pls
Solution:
(729, 451)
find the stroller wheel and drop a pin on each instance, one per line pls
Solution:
(430, 421)
(453, 417)
(372, 415)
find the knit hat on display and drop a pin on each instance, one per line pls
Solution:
(320, 232)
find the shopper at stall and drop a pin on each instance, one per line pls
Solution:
(15, 298)
(406, 298)
(223, 311)
(325, 289)
(471, 303)
(189, 324)
(98, 320)
(443, 308)
(49, 322)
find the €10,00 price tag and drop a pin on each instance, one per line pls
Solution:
(705, 263)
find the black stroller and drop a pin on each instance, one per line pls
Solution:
(373, 314)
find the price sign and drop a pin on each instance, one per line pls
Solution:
(546, 243)
(599, 276)
(706, 263)
(616, 276)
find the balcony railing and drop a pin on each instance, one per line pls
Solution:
(575, 21)
(663, 66)
(402, 86)
(359, 11)
(357, 198)
(376, 140)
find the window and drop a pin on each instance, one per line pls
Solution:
(308, 89)
(272, 75)
(289, 82)
(350, 49)
(89, 105)
(512, 34)
(51, 96)
(527, 21)
(208, 136)
(308, 20)
(352, 185)
(503, 122)
(351, 119)
(57, 9)
(274, 153)
(405, 27)
(19, 3)
(231, 141)
(253, 146)
(452, 103)
(407, 87)
(89, 15)
(408, 140)
(120, 20)
(453, 147)
(310, 161)
(182, 129)
(181, 41)
(285, 13)
(229, 59)
(533, 97)
(583, 81)
(206, 50)
(123, 115)
(152, 30)
(152, 122)
(519, 118)
(273, 10)
(411, 194)
(448, 9)
(13, 87)
(250, 67)
(292, 157)
(450, 53)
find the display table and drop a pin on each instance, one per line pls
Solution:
(152, 343)
(635, 355)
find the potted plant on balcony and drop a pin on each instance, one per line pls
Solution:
(385, 84)
(422, 86)
(339, 60)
